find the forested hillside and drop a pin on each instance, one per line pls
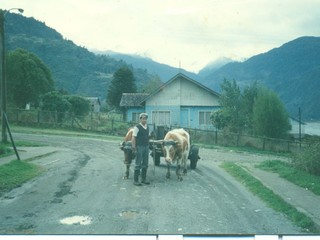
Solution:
(292, 71)
(165, 72)
(74, 68)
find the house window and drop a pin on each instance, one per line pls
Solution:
(204, 118)
(161, 118)
(135, 117)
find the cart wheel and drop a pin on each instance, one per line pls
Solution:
(194, 158)
(193, 163)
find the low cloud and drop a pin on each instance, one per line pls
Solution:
(191, 32)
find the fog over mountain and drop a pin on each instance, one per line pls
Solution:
(213, 66)
(165, 72)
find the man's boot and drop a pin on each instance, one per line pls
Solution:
(136, 178)
(144, 176)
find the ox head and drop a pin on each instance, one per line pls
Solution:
(126, 147)
(169, 150)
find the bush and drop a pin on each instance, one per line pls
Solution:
(309, 159)
(5, 150)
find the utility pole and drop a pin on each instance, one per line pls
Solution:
(3, 80)
(299, 127)
(3, 13)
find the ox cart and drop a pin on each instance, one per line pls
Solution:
(155, 146)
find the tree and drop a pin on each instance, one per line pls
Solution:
(231, 101)
(270, 118)
(58, 102)
(55, 102)
(79, 105)
(152, 85)
(249, 96)
(27, 77)
(123, 82)
(219, 120)
(255, 110)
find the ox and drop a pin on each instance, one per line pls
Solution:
(176, 147)
(129, 155)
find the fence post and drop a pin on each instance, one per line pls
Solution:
(91, 120)
(56, 118)
(238, 138)
(38, 118)
(216, 136)
(72, 119)
(17, 116)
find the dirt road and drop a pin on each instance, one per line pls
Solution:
(82, 192)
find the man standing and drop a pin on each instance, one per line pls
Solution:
(140, 144)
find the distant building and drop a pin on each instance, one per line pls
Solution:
(94, 103)
(180, 102)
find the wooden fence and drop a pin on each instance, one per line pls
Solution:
(111, 123)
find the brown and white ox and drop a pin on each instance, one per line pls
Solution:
(176, 147)
(129, 155)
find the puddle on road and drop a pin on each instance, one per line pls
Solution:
(129, 214)
(76, 220)
(132, 213)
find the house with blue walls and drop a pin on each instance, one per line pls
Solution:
(180, 102)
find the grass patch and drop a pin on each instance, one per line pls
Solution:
(250, 150)
(29, 144)
(5, 150)
(65, 132)
(15, 173)
(270, 198)
(294, 175)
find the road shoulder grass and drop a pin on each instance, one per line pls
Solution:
(15, 173)
(294, 175)
(273, 200)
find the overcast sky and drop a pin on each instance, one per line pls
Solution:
(186, 33)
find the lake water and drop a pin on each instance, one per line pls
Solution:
(312, 128)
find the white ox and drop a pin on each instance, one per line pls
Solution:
(176, 147)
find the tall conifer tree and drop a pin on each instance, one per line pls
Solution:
(123, 82)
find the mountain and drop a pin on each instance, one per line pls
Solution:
(74, 69)
(213, 66)
(292, 71)
(165, 72)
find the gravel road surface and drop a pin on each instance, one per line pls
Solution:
(82, 192)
